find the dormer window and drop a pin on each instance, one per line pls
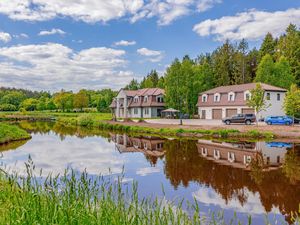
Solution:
(136, 99)
(217, 97)
(204, 98)
(247, 95)
(146, 99)
(231, 96)
(160, 99)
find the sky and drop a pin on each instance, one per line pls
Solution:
(96, 44)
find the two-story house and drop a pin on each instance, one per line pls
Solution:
(226, 101)
(142, 103)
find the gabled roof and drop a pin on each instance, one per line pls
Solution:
(242, 88)
(145, 92)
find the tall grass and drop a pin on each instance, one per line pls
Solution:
(75, 198)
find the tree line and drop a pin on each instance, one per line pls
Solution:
(12, 99)
(275, 62)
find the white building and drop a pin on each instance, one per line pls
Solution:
(142, 103)
(226, 101)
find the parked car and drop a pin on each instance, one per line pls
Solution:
(283, 120)
(240, 118)
(279, 145)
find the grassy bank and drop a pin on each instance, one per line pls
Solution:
(77, 199)
(103, 121)
(10, 133)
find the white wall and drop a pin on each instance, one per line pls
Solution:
(210, 109)
(276, 107)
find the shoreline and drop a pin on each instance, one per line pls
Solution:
(189, 131)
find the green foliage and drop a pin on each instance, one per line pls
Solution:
(257, 100)
(85, 120)
(8, 107)
(81, 100)
(292, 101)
(11, 133)
(30, 104)
(277, 74)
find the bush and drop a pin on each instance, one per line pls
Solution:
(8, 107)
(85, 120)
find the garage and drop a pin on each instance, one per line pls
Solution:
(231, 112)
(217, 114)
(248, 111)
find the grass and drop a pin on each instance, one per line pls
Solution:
(9, 133)
(77, 199)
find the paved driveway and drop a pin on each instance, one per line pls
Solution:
(186, 122)
(195, 122)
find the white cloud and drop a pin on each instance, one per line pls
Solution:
(51, 32)
(147, 170)
(124, 43)
(92, 11)
(94, 154)
(152, 55)
(252, 25)
(54, 66)
(5, 37)
(204, 5)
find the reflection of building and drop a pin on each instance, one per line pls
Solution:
(151, 146)
(241, 154)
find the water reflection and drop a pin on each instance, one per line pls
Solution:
(245, 177)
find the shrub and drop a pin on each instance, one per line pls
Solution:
(85, 120)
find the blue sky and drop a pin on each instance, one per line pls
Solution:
(50, 45)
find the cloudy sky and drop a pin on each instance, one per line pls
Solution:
(74, 44)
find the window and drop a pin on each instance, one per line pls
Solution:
(217, 97)
(136, 99)
(231, 157)
(231, 96)
(145, 98)
(146, 111)
(247, 95)
(204, 98)
(160, 99)
(217, 154)
(268, 96)
(159, 145)
(278, 97)
(135, 111)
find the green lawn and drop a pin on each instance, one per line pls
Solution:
(11, 133)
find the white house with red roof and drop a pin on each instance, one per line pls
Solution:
(142, 103)
(226, 101)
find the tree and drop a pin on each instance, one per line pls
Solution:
(81, 100)
(289, 46)
(292, 101)
(268, 46)
(283, 76)
(265, 71)
(257, 100)
(161, 82)
(30, 104)
(133, 85)
(64, 100)
(102, 105)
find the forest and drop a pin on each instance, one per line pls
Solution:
(276, 62)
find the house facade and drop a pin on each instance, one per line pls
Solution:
(226, 101)
(142, 103)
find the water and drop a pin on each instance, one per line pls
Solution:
(238, 177)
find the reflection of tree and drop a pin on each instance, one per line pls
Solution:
(291, 165)
(12, 145)
(183, 164)
(257, 166)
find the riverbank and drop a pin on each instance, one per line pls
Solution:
(104, 121)
(9, 133)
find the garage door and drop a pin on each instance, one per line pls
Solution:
(231, 112)
(248, 111)
(217, 114)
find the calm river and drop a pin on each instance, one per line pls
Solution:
(216, 174)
